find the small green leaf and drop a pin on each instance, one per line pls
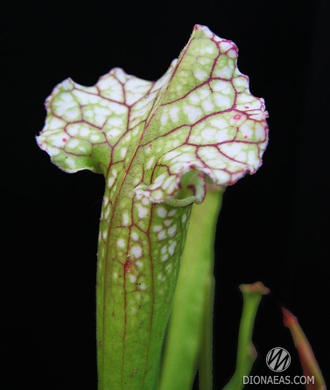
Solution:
(246, 352)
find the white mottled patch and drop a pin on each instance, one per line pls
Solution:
(168, 222)
(56, 123)
(95, 137)
(161, 212)
(139, 264)
(102, 111)
(193, 113)
(174, 111)
(163, 119)
(99, 119)
(171, 248)
(183, 158)
(171, 213)
(209, 153)
(135, 236)
(194, 98)
(113, 133)
(259, 132)
(136, 251)
(246, 129)
(58, 139)
(225, 46)
(208, 106)
(145, 201)
(73, 143)
(72, 113)
(110, 181)
(104, 234)
(209, 49)
(161, 235)
(171, 231)
(223, 102)
(72, 130)
(168, 183)
(201, 75)
(204, 93)
(164, 249)
(222, 86)
(208, 134)
(123, 152)
(125, 219)
(172, 154)
(142, 211)
(231, 150)
(176, 143)
(241, 156)
(142, 286)
(132, 278)
(165, 257)
(70, 162)
(224, 72)
(150, 162)
(84, 132)
(121, 75)
(157, 194)
(232, 53)
(219, 123)
(121, 243)
(159, 178)
(252, 159)
(157, 228)
(115, 121)
(241, 82)
(222, 135)
(221, 176)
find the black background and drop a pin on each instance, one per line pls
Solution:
(274, 226)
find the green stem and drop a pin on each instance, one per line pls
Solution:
(246, 353)
(206, 361)
(190, 322)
